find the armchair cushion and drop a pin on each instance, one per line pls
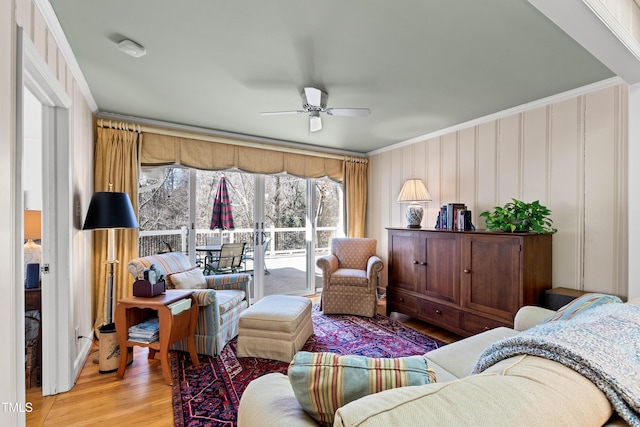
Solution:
(229, 299)
(350, 276)
(188, 279)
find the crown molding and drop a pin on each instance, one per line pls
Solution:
(505, 113)
(51, 20)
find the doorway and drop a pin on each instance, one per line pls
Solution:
(61, 361)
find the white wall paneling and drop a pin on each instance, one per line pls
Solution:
(570, 155)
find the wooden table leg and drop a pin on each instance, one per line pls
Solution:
(164, 317)
(122, 332)
(192, 331)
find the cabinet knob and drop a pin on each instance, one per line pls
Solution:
(466, 270)
(416, 262)
(438, 312)
(423, 263)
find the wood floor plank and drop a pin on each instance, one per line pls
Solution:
(140, 398)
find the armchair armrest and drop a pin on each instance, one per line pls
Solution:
(228, 281)
(529, 316)
(374, 266)
(328, 264)
(238, 281)
(205, 297)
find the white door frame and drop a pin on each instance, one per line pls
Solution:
(60, 365)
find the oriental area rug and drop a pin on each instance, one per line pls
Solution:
(209, 394)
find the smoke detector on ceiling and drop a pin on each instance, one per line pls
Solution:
(132, 48)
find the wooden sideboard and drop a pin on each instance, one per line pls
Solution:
(466, 281)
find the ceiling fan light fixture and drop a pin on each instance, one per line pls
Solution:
(315, 123)
(132, 48)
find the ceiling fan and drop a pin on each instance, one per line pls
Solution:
(314, 102)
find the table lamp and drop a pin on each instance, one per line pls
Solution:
(32, 250)
(414, 191)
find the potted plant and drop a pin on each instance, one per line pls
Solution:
(518, 216)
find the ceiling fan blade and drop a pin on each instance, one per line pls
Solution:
(314, 96)
(353, 112)
(280, 113)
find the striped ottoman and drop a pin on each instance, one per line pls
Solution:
(275, 327)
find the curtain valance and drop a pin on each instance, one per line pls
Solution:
(158, 149)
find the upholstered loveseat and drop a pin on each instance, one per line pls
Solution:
(221, 298)
(523, 390)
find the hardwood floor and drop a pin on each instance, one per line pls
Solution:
(141, 397)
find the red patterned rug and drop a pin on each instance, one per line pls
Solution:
(209, 394)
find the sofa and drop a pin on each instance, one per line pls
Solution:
(221, 298)
(518, 390)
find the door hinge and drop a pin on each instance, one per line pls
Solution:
(44, 269)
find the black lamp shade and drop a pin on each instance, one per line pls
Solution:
(109, 209)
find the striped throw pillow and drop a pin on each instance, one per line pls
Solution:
(324, 382)
(581, 304)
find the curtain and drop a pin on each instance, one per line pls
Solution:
(158, 150)
(355, 194)
(116, 163)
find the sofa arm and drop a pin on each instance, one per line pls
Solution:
(529, 316)
(269, 401)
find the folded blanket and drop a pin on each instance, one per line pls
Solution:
(602, 344)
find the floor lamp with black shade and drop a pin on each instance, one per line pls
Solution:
(109, 210)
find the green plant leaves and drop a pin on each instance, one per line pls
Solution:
(518, 216)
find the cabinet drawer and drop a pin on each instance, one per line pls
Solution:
(440, 314)
(475, 324)
(401, 302)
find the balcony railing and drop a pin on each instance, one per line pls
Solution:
(283, 241)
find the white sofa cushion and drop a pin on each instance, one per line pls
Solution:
(529, 389)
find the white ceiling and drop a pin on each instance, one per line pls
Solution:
(419, 65)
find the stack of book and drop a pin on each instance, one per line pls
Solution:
(454, 216)
(145, 332)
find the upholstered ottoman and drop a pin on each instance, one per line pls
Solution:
(275, 327)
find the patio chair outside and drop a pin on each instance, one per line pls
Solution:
(250, 257)
(229, 260)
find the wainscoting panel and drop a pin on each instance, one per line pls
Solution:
(570, 155)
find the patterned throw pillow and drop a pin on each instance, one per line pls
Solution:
(188, 279)
(324, 382)
(581, 304)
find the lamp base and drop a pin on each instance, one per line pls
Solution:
(414, 215)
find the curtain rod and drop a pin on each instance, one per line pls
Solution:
(112, 124)
(356, 159)
(233, 141)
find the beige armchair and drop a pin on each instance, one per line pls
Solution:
(350, 277)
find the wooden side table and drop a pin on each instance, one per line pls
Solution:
(133, 310)
(555, 298)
